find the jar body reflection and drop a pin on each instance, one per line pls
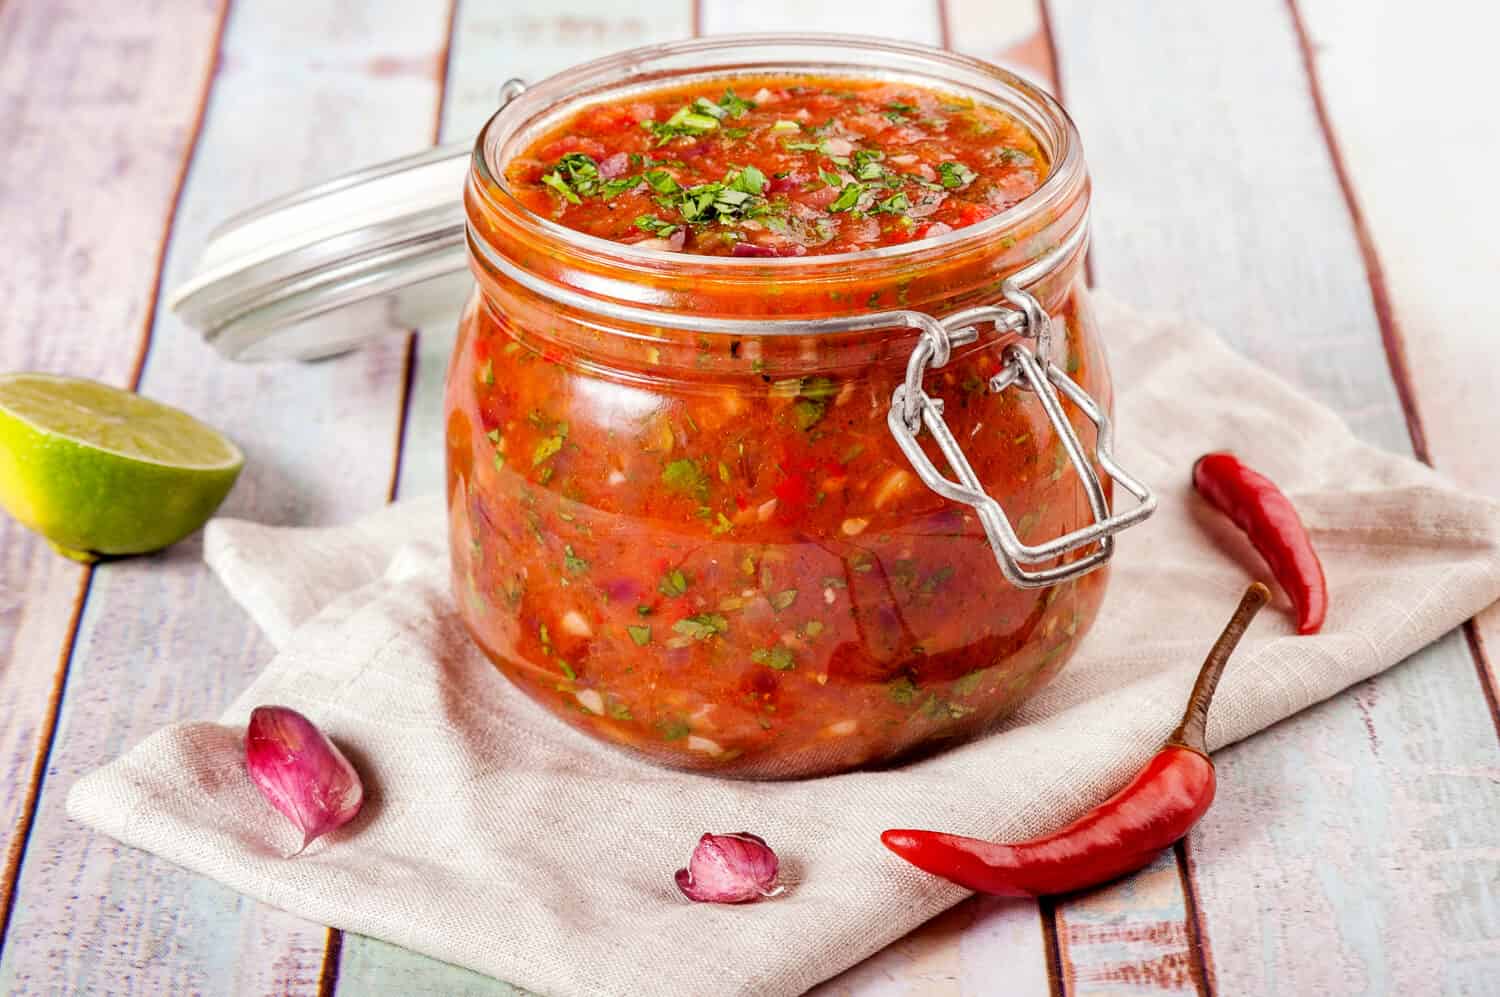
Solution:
(706, 546)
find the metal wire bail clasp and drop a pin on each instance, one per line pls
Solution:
(912, 408)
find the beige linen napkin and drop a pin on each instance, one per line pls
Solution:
(498, 838)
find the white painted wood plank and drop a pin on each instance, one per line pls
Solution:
(308, 88)
(1345, 833)
(1010, 33)
(1431, 219)
(985, 945)
(900, 19)
(75, 78)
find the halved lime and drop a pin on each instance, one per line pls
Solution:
(100, 471)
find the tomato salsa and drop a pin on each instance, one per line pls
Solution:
(779, 167)
(709, 548)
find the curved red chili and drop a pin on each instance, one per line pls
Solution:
(1120, 835)
(1271, 522)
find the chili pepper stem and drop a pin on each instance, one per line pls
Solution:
(1190, 733)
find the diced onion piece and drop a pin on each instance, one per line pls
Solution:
(837, 146)
(893, 484)
(590, 700)
(574, 623)
(841, 729)
(854, 526)
(616, 478)
(766, 510)
(704, 744)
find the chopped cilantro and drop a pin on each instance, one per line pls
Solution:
(575, 564)
(560, 185)
(807, 413)
(576, 175)
(686, 477)
(641, 635)
(777, 657)
(567, 669)
(611, 189)
(848, 197)
(692, 119)
(487, 372)
(673, 583)
(901, 691)
(783, 599)
(655, 226)
(818, 388)
(702, 626)
(734, 106)
(662, 182)
(673, 728)
(893, 205)
(748, 180)
(545, 449)
(954, 175)
(813, 628)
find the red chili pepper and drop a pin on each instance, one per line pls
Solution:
(1271, 522)
(1120, 835)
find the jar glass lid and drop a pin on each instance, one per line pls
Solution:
(316, 272)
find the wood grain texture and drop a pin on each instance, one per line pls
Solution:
(1430, 225)
(77, 299)
(159, 641)
(1344, 833)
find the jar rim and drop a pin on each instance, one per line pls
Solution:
(567, 92)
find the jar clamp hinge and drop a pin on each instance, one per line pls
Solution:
(912, 409)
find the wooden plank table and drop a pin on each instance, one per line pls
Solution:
(1327, 211)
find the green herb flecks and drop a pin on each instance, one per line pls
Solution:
(783, 599)
(546, 449)
(685, 477)
(702, 626)
(734, 106)
(673, 584)
(848, 197)
(901, 691)
(699, 117)
(778, 658)
(574, 564)
(576, 176)
(897, 112)
(807, 413)
(641, 635)
(653, 225)
(955, 175)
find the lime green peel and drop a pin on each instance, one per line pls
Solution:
(103, 472)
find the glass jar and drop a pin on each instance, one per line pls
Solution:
(696, 505)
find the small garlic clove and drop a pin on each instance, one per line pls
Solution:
(301, 772)
(730, 869)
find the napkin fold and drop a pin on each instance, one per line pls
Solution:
(496, 837)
